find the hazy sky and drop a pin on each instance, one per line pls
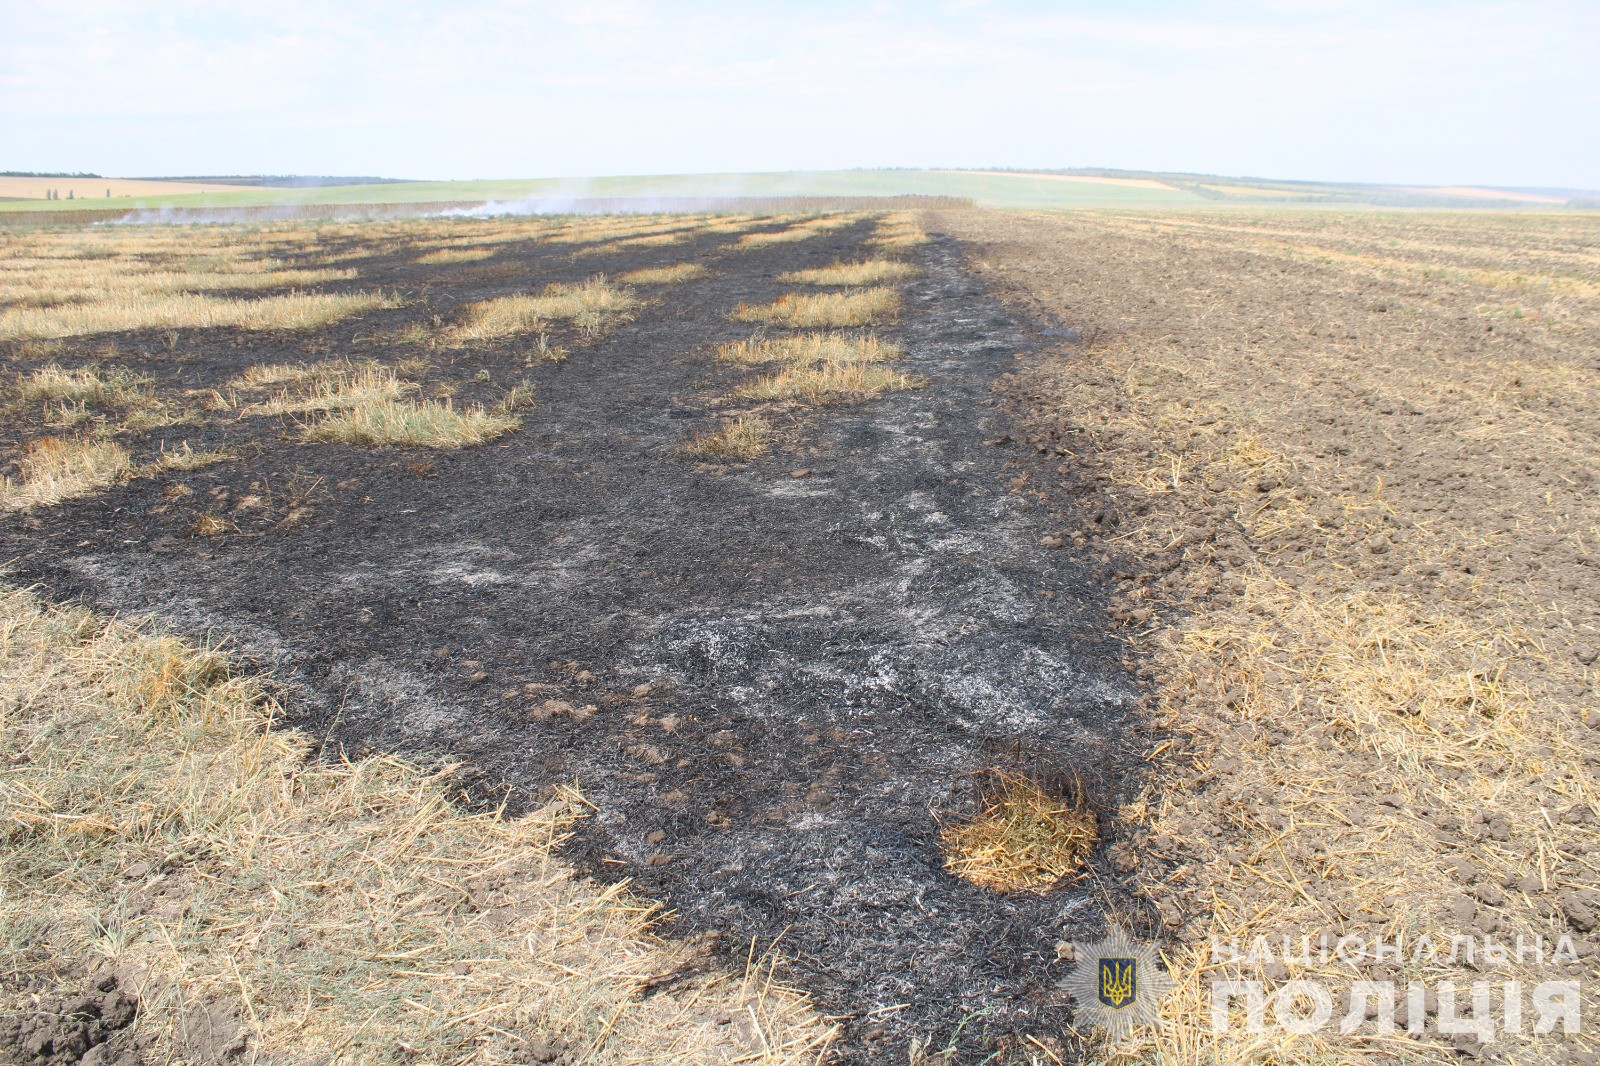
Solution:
(1364, 90)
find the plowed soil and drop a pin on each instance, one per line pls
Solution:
(1349, 464)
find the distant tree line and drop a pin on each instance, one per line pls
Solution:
(46, 174)
(275, 181)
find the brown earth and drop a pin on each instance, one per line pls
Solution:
(1345, 466)
(69, 1019)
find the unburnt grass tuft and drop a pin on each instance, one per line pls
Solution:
(116, 399)
(90, 394)
(80, 280)
(544, 351)
(417, 334)
(743, 437)
(782, 236)
(898, 234)
(732, 225)
(328, 386)
(54, 469)
(590, 305)
(805, 348)
(212, 525)
(519, 397)
(184, 458)
(308, 910)
(651, 240)
(818, 368)
(427, 423)
(829, 381)
(36, 349)
(263, 375)
(800, 231)
(824, 310)
(1024, 838)
(869, 272)
(667, 275)
(184, 310)
(364, 403)
(90, 385)
(457, 255)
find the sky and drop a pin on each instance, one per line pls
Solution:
(1384, 91)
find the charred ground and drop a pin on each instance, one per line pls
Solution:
(772, 679)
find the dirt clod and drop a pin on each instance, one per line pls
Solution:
(71, 1027)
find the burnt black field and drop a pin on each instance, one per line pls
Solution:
(781, 674)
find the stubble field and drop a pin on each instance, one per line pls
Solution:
(1348, 466)
(894, 599)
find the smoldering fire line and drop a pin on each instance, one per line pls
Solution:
(542, 205)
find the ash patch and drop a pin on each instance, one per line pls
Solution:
(772, 688)
(882, 649)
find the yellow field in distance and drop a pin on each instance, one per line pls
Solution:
(96, 188)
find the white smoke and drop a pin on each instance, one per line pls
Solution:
(585, 196)
(559, 201)
(201, 216)
(669, 194)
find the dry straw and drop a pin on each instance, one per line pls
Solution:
(826, 382)
(1024, 837)
(817, 368)
(898, 234)
(825, 310)
(1361, 684)
(185, 310)
(156, 832)
(591, 305)
(91, 385)
(803, 348)
(364, 403)
(54, 469)
(870, 272)
(666, 275)
(425, 423)
(742, 437)
(446, 256)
